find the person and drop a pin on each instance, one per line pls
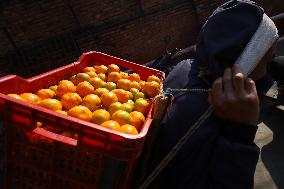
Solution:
(236, 41)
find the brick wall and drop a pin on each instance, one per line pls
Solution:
(32, 21)
(146, 37)
(100, 12)
(206, 7)
(41, 34)
(5, 44)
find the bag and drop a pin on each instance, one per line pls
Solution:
(161, 103)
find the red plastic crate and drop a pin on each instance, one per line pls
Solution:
(39, 159)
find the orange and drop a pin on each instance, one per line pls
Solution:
(123, 75)
(110, 124)
(101, 69)
(151, 88)
(61, 112)
(92, 74)
(80, 77)
(113, 68)
(51, 104)
(69, 100)
(130, 102)
(134, 91)
(65, 87)
(95, 66)
(102, 76)
(97, 82)
(89, 69)
(122, 117)
(100, 91)
(108, 98)
(45, 93)
(92, 101)
(53, 87)
(127, 107)
(84, 88)
(128, 129)
(30, 98)
(137, 120)
(138, 115)
(130, 95)
(39, 124)
(136, 123)
(72, 78)
(63, 81)
(135, 84)
(17, 97)
(134, 77)
(124, 84)
(114, 77)
(142, 83)
(100, 116)
(80, 112)
(114, 107)
(110, 86)
(141, 105)
(153, 78)
(138, 95)
(121, 94)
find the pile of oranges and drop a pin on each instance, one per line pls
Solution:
(101, 94)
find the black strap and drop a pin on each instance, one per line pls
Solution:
(176, 149)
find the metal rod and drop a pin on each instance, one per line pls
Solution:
(277, 17)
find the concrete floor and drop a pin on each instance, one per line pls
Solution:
(270, 138)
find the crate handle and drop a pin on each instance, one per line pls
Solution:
(56, 137)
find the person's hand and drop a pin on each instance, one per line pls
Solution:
(234, 97)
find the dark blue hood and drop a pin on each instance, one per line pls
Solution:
(226, 33)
